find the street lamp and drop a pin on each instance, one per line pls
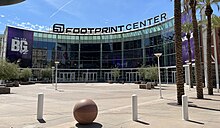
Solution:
(56, 63)
(158, 60)
(52, 75)
(9, 2)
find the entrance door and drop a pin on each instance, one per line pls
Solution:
(90, 76)
(67, 76)
(173, 76)
(108, 76)
(132, 76)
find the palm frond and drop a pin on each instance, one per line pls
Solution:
(216, 21)
(187, 27)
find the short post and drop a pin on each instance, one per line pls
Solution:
(185, 115)
(189, 77)
(134, 108)
(40, 104)
(56, 64)
(217, 88)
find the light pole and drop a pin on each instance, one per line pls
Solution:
(158, 60)
(9, 2)
(56, 64)
(52, 75)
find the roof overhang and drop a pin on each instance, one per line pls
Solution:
(9, 2)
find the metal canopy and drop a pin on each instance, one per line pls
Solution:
(9, 2)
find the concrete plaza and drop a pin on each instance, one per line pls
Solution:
(18, 109)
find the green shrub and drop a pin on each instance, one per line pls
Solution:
(46, 73)
(25, 74)
(8, 71)
(148, 73)
(153, 73)
(115, 73)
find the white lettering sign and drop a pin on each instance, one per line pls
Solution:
(19, 46)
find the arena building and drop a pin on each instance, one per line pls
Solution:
(90, 54)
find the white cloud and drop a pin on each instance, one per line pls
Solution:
(2, 16)
(16, 18)
(106, 21)
(28, 25)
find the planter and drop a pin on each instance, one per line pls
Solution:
(27, 83)
(4, 90)
(145, 86)
(142, 86)
(110, 82)
(16, 84)
(9, 84)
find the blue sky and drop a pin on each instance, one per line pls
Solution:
(42, 14)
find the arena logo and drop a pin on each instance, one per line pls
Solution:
(19, 45)
(60, 28)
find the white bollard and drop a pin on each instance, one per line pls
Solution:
(134, 108)
(218, 88)
(185, 115)
(40, 104)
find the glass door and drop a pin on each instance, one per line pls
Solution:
(90, 76)
(173, 76)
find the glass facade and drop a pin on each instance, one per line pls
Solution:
(92, 57)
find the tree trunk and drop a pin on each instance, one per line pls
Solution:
(178, 47)
(199, 86)
(190, 60)
(208, 13)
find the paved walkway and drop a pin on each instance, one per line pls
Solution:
(18, 109)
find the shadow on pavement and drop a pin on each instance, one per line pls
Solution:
(92, 125)
(212, 95)
(192, 121)
(142, 122)
(41, 120)
(176, 104)
(211, 109)
(194, 106)
(158, 88)
(204, 99)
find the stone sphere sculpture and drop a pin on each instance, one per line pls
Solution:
(85, 111)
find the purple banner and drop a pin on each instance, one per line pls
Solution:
(185, 54)
(185, 51)
(19, 46)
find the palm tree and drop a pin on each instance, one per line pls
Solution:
(198, 76)
(186, 28)
(208, 12)
(216, 23)
(178, 46)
